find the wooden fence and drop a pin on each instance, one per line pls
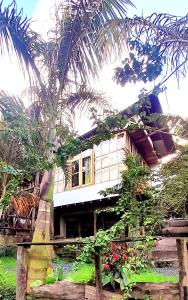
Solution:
(22, 258)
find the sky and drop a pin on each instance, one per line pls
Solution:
(173, 101)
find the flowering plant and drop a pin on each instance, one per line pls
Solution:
(119, 261)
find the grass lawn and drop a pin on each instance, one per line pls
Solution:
(8, 278)
(8, 267)
(86, 274)
(152, 276)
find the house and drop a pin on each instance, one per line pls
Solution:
(76, 204)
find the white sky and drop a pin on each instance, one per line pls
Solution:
(12, 80)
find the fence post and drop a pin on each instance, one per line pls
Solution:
(183, 268)
(98, 280)
(21, 273)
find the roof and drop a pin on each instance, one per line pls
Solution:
(152, 146)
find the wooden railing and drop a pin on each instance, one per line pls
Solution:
(22, 258)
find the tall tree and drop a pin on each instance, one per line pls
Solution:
(68, 60)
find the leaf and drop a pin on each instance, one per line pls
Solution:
(106, 279)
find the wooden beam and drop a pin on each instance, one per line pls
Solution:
(183, 268)
(94, 222)
(98, 280)
(21, 273)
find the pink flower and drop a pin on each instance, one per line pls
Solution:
(106, 267)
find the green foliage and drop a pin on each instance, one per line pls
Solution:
(8, 278)
(36, 283)
(172, 185)
(145, 63)
(136, 202)
(51, 278)
(133, 212)
(84, 273)
(151, 276)
(122, 259)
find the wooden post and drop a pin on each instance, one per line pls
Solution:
(33, 215)
(183, 268)
(21, 276)
(62, 226)
(94, 222)
(98, 280)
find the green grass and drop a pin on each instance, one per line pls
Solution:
(8, 278)
(152, 276)
(85, 273)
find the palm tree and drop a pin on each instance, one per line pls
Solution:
(68, 60)
(166, 32)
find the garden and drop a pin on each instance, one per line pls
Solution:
(38, 138)
(81, 274)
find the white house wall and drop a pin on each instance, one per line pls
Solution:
(108, 164)
(84, 194)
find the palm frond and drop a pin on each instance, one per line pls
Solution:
(168, 32)
(78, 24)
(16, 35)
(11, 106)
(86, 98)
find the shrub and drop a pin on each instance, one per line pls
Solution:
(120, 260)
(7, 284)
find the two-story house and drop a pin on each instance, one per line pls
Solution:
(76, 204)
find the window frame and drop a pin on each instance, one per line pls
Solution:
(80, 158)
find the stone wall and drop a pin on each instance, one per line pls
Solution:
(70, 291)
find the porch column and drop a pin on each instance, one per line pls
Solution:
(62, 226)
(94, 222)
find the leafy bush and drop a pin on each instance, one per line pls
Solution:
(120, 260)
(7, 283)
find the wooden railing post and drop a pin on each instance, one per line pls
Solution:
(183, 268)
(21, 270)
(98, 280)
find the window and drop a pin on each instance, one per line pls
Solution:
(59, 184)
(108, 161)
(75, 173)
(82, 170)
(86, 170)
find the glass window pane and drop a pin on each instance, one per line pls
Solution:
(98, 177)
(98, 163)
(121, 168)
(121, 156)
(114, 173)
(105, 147)
(75, 166)
(113, 158)
(113, 145)
(97, 150)
(86, 170)
(105, 174)
(120, 141)
(105, 161)
(75, 180)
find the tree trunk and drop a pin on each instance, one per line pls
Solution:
(4, 187)
(40, 257)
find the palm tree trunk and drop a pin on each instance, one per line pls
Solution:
(4, 187)
(40, 257)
